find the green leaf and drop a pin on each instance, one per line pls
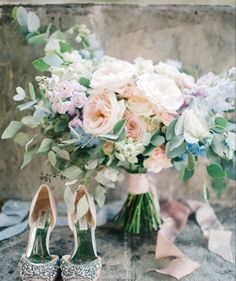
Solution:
(20, 94)
(91, 164)
(119, 126)
(175, 142)
(28, 156)
(122, 135)
(12, 129)
(218, 145)
(21, 138)
(33, 22)
(218, 185)
(186, 174)
(45, 145)
(52, 158)
(40, 65)
(146, 139)
(221, 122)
(99, 195)
(53, 60)
(65, 47)
(13, 13)
(38, 39)
(61, 125)
(229, 168)
(84, 82)
(22, 16)
(148, 150)
(72, 173)
(212, 156)
(179, 126)
(157, 140)
(61, 153)
(215, 171)
(32, 91)
(170, 132)
(27, 105)
(191, 161)
(29, 122)
(176, 151)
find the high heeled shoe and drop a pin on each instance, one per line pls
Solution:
(84, 264)
(37, 264)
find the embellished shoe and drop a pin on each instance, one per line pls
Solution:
(84, 264)
(38, 264)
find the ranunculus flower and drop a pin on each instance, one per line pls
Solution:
(140, 106)
(182, 80)
(135, 128)
(166, 118)
(157, 160)
(192, 126)
(161, 91)
(112, 75)
(102, 112)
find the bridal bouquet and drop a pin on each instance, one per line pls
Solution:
(92, 116)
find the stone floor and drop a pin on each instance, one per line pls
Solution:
(127, 257)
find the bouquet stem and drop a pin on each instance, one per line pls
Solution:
(139, 213)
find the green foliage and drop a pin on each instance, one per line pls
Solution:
(157, 140)
(45, 146)
(170, 132)
(61, 153)
(186, 174)
(41, 65)
(215, 171)
(52, 158)
(72, 173)
(99, 195)
(218, 185)
(11, 129)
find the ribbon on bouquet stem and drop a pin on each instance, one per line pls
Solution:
(174, 215)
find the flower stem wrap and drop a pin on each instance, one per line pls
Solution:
(140, 212)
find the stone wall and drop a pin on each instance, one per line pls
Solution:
(200, 36)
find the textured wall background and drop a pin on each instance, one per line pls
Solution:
(199, 36)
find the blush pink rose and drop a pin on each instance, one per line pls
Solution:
(157, 161)
(135, 128)
(102, 112)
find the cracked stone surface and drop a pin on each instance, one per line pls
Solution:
(127, 257)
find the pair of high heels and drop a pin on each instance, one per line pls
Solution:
(37, 264)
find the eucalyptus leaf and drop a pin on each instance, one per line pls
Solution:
(33, 22)
(32, 91)
(72, 173)
(61, 125)
(99, 195)
(176, 142)
(29, 122)
(61, 153)
(119, 126)
(218, 185)
(45, 145)
(191, 161)
(27, 105)
(146, 138)
(176, 151)
(41, 65)
(148, 150)
(52, 158)
(179, 126)
(229, 168)
(20, 94)
(186, 174)
(65, 47)
(38, 39)
(12, 129)
(21, 138)
(22, 16)
(28, 156)
(53, 60)
(215, 171)
(157, 140)
(218, 144)
(84, 82)
(221, 122)
(170, 132)
(92, 164)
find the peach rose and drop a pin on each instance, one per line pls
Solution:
(102, 112)
(135, 128)
(166, 118)
(140, 106)
(157, 161)
(108, 148)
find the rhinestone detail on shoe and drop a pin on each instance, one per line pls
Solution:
(87, 271)
(44, 271)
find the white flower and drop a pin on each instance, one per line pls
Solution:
(73, 56)
(108, 177)
(52, 46)
(143, 65)
(161, 91)
(193, 126)
(112, 75)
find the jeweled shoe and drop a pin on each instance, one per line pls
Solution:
(38, 264)
(84, 264)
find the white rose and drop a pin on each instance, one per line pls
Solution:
(161, 91)
(192, 126)
(143, 65)
(112, 75)
(182, 80)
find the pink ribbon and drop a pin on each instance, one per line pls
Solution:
(175, 215)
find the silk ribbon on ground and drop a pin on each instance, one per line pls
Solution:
(174, 215)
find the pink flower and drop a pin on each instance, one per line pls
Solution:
(135, 128)
(65, 89)
(79, 99)
(166, 118)
(63, 107)
(102, 112)
(76, 122)
(157, 161)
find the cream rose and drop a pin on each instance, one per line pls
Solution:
(192, 126)
(112, 75)
(140, 106)
(101, 112)
(157, 161)
(161, 91)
